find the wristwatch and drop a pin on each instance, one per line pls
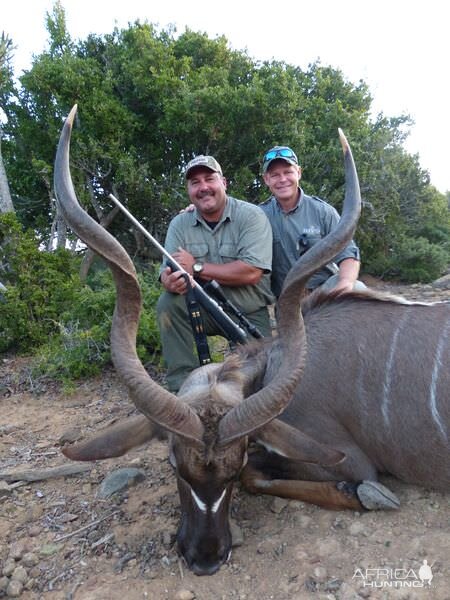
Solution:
(197, 267)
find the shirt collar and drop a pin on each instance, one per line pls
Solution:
(227, 214)
(292, 210)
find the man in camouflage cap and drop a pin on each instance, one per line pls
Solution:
(224, 239)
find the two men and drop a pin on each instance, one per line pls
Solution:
(224, 239)
(230, 241)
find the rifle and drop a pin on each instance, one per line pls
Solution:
(230, 330)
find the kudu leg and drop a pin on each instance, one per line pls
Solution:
(328, 494)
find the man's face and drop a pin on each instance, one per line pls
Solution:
(282, 179)
(207, 191)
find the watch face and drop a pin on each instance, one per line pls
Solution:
(197, 267)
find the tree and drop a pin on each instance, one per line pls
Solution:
(149, 100)
(6, 47)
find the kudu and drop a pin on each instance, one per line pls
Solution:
(370, 395)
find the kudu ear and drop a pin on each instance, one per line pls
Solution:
(288, 441)
(115, 440)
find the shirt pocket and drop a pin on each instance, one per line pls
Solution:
(198, 250)
(228, 252)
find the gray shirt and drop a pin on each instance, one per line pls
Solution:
(299, 229)
(243, 233)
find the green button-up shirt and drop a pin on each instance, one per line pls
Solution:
(243, 233)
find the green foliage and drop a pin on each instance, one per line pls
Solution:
(81, 347)
(46, 310)
(413, 260)
(40, 286)
(149, 100)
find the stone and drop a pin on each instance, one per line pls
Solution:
(443, 283)
(9, 566)
(119, 480)
(14, 589)
(184, 595)
(357, 528)
(5, 490)
(278, 505)
(20, 574)
(30, 559)
(237, 536)
(3, 585)
(17, 550)
(71, 435)
(320, 574)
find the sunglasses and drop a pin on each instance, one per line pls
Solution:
(280, 153)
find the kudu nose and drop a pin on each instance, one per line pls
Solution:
(207, 564)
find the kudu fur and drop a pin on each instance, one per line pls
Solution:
(369, 396)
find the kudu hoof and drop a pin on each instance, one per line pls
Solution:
(374, 496)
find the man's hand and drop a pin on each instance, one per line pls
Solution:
(343, 286)
(348, 274)
(189, 208)
(173, 282)
(184, 259)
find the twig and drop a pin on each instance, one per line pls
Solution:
(88, 526)
(40, 474)
(180, 568)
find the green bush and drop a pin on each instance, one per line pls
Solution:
(81, 348)
(47, 311)
(412, 260)
(40, 287)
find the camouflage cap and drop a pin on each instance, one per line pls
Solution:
(203, 161)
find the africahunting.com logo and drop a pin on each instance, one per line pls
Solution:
(384, 577)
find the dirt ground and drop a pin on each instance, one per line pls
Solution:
(59, 540)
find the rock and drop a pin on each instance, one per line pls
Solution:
(68, 517)
(328, 547)
(14, 589)
(71, 435)
(236, 534)
(320, 574)
(357, 528)
(30, 559)
(443, 283)
(9, 566)
(5, 490)
(119, 480)
(184, 595)
(17, 550)
(3, 585)
(20, 574)
(34, 530)
(278, 505)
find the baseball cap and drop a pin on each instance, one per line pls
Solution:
(203, 161)
(277, 153)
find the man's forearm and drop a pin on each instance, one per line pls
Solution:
(349, 270)
(234, 273)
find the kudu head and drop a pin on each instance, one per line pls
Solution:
(219, 406)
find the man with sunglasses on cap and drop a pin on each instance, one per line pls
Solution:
(298, 221)
(222, 239)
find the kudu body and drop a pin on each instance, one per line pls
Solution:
(373, 395)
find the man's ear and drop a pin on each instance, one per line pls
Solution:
(225, 182)
(299, 173)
